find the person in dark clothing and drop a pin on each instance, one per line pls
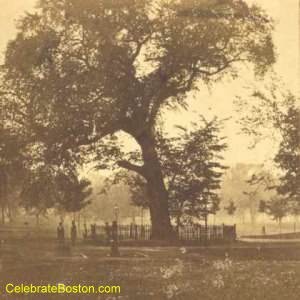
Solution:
(93, 231)
(73, 233)
(60, 233)
(108, 233)
(85, 231)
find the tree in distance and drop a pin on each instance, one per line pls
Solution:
(231, 208)
(276, 111)
(46, 188)
(277, 208)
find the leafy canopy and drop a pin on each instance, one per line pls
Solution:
(46, 188)
(79, 70)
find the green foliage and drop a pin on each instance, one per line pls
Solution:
(12, 169)
(277, 207)
(39, 191)
(275, 114)
(47, 187)
(193, 169)
(262, 208)
(262, 112)
(73, 193)
(288, 156)
(12, 155)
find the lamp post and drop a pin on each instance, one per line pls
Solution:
(114, 251)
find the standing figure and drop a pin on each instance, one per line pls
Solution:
(60, 233)
(85, 231)
(108, 233)
(73, 233)
(93, 231)
(114, 250)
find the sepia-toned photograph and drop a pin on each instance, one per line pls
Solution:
(150, 149)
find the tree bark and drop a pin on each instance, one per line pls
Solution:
(3, 214)
(79, 222)
(253, 216)
(178, 224)
(9, 213)
(37, 217)
(280, 225)
(159, 211)
(3, 193)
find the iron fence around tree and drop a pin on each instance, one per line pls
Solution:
(195, 232)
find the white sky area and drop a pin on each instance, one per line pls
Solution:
(219, 100)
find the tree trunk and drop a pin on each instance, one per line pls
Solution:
(178, 224)
(280, 225)
(295, 223)
(253, 217)
(37, 217)
(79, 222)
(3, 194)
(3, 213)
(10, 213)
(159, 212)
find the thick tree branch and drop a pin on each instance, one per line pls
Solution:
(139, 48)
(131, 167)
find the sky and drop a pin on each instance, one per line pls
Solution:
(218, 101)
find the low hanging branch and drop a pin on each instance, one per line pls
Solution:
(131, 167)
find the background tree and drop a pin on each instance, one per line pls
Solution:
(288, 156)
(275, 111)
(3, 193)
(253, 204)
(39, 192)
(12, 170)
(193, 169)
(78, 71)
(46, 188)
(246, 184)
(294, 209)
(73, 194)
(231, 208)
(262, 208)
(277, 208)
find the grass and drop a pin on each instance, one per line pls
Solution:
(218, 273)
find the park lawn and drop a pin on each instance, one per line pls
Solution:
(150, 273)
